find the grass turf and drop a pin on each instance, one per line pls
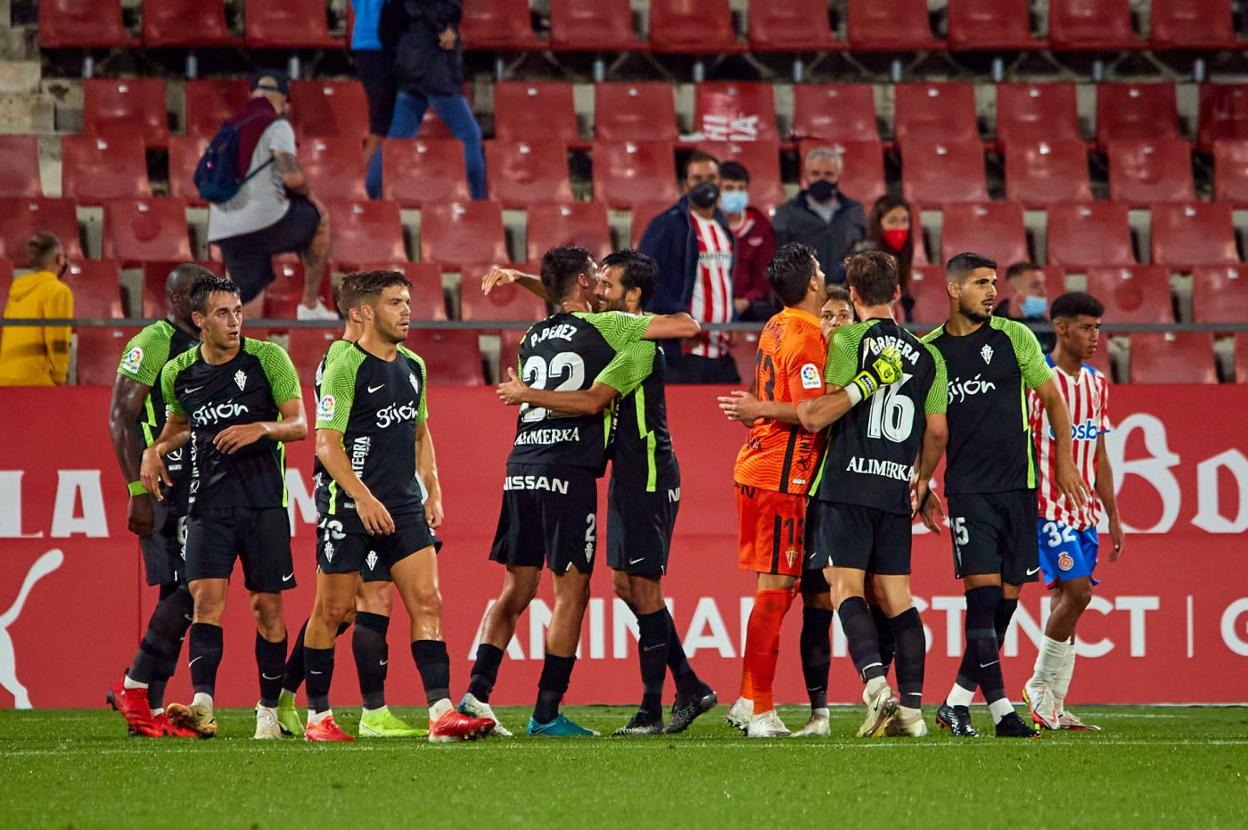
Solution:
(1150, 767)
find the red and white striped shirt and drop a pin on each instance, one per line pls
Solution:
(1087, 399)
(712, 290)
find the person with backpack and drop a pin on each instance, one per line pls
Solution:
(260, 204)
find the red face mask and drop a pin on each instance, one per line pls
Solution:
(896, 238)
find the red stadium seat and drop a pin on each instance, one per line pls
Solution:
(415, 170)
(634, 112)
(6, 281)
(934, 173)
(283, 296)
(96, 284)
(96, 169)
(835, 112)
(1147, 171)
(1223, 114)
(210, 102)
(791, 26)
(1095, 233)
(1037, 112)
(334, 168)
(580, 223)
(731, 111)
(365, 231)
(156, 274)
(462, 233)
(428, 299)
(82, 24)
(1173, 357)
(133, 107)
(979, 25)
(1128, 111)
(890, 26)
(185, 152)
(1133, 293)
(593, 26)
(99, 351)
(1241, 358)
(627, 173)
(509, 351)
(1193, 234)
(927, 288)
(307, 348)
(328, 109)
(19, 166)
(432, 126)
(540, 111)
(452, 357)
(289, 24)
(1220, 294)
(186, 23)
(1191, 24)
(692, 27)
(862, 168)
(1047, 172)
(761, 159)
(498, 24)
(994, 229)
(1091, 25)
(524, 173)
(144, 229)
(643, 213)
(936, 112)
(19, 218)
(1230, 167)
(505, 302)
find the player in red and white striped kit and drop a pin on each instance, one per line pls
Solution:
(1067, 534)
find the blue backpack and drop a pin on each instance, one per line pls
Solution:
(216, 176)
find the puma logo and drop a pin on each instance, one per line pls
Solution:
(44, 565)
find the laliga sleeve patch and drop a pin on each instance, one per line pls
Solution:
(325, 408)
(132, 360)
(810, 377)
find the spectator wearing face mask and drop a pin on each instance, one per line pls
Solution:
(820, 216)
(1028, 300)
(38, 355)
(755, 244)
(888, 230)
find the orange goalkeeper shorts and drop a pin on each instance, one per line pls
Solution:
(771, 531)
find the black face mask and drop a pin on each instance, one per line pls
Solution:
(822, 190)
(704, 195)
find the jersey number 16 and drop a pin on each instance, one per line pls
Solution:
(892, 414)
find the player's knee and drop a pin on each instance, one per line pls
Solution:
(377, 602)
(267, 609)
(427, 601)
(1079, 595)
(515, 598)
(332, 610)
(623, 587)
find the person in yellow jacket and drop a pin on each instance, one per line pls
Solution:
(38, 355)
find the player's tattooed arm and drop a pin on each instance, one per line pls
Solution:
(1068, 480)
(152, 470)
(514, 392)
(373, 514)
(292, 427)
(1105, 491)
(497, 276)
(427, 467)
(129, 398)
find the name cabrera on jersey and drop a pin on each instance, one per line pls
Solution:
(872, 448)
(990, 370)
(142, 361)
(377, 406)
(570, 352)
(334, 351)
(247, 389)
(642, 456)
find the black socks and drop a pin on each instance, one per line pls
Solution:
(485, 671)
(859, 629)
(815, 646)
(434, 664)
(556, 672)
(652, 646)
(204, 654)
(368, 644)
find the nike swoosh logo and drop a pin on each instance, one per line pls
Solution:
(200, 657)
(192, 389)
(382, 662)
(288, 577)
(986, 665)
(652, 648)
(274, 677)
(373, 389)
(1033, 571)
(310, 671)
(635, 561)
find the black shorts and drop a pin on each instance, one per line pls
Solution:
(164, 552)
(639, 529)
(549, 515)
(249, 258)
(339, 552)
(995, 533)
(259, 537)
(380, 87)
(852, 536)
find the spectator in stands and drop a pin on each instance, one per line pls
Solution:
(38, 355)
(828, 221)
(274, 212)
(755, 244)
(373, 38)
(1028, 300)
(888, 230)
(429, 67)
(693, 245)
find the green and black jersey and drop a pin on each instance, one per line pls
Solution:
(570, 352)
(142, 361)
(872, 448)
(377, 406)
(990, 370)
(249, 388)
(642, 456)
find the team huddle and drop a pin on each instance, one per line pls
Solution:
(847, 422)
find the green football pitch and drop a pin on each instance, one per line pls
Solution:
(1150, 767)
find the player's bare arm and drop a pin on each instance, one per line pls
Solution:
(1105, 491)
(935, 439)
(373, 514)
(427, 466)
(514, 392)
(815, 414)
(292, 175)
(152, 470)
(1069, 482)
(671, 327)
(742, 406)
(507, 276)
(129, 398)
(292, 427)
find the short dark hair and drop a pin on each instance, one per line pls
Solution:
(560, 268)
(1020, 268)
(697, 156)
(639, 270)
(360, 287)
(873, 274)
(40, 248)
(205, 287)
(734, 171)
(960, 265)
(790, 271)
(838, 294)
(1076, 304)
